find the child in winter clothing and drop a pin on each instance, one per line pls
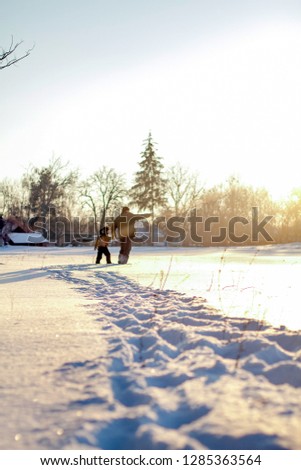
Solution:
(101, 244)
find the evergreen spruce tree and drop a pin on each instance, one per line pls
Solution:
(148, 191)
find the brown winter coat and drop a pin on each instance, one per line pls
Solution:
(102, 241)
(125, 223)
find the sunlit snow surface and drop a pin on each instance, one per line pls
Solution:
(182, 348)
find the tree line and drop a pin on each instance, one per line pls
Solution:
(55, 198)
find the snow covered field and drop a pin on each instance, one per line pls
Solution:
(183, 348)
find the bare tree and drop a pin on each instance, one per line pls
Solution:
(8, 57)
(183, 189)
(88, 198)
(102, 192)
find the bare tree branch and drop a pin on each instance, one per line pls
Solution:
(8, 57)
(102, 191)
(183, 188)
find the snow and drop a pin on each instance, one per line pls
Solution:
(183, 348)
(27, 238)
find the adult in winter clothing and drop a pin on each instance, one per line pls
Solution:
(124, 229)
(101, 244)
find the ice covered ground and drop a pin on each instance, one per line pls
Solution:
(134, 357)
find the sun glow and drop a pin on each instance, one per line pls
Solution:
(227, 106)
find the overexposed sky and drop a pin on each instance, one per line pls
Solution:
(217, 82)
